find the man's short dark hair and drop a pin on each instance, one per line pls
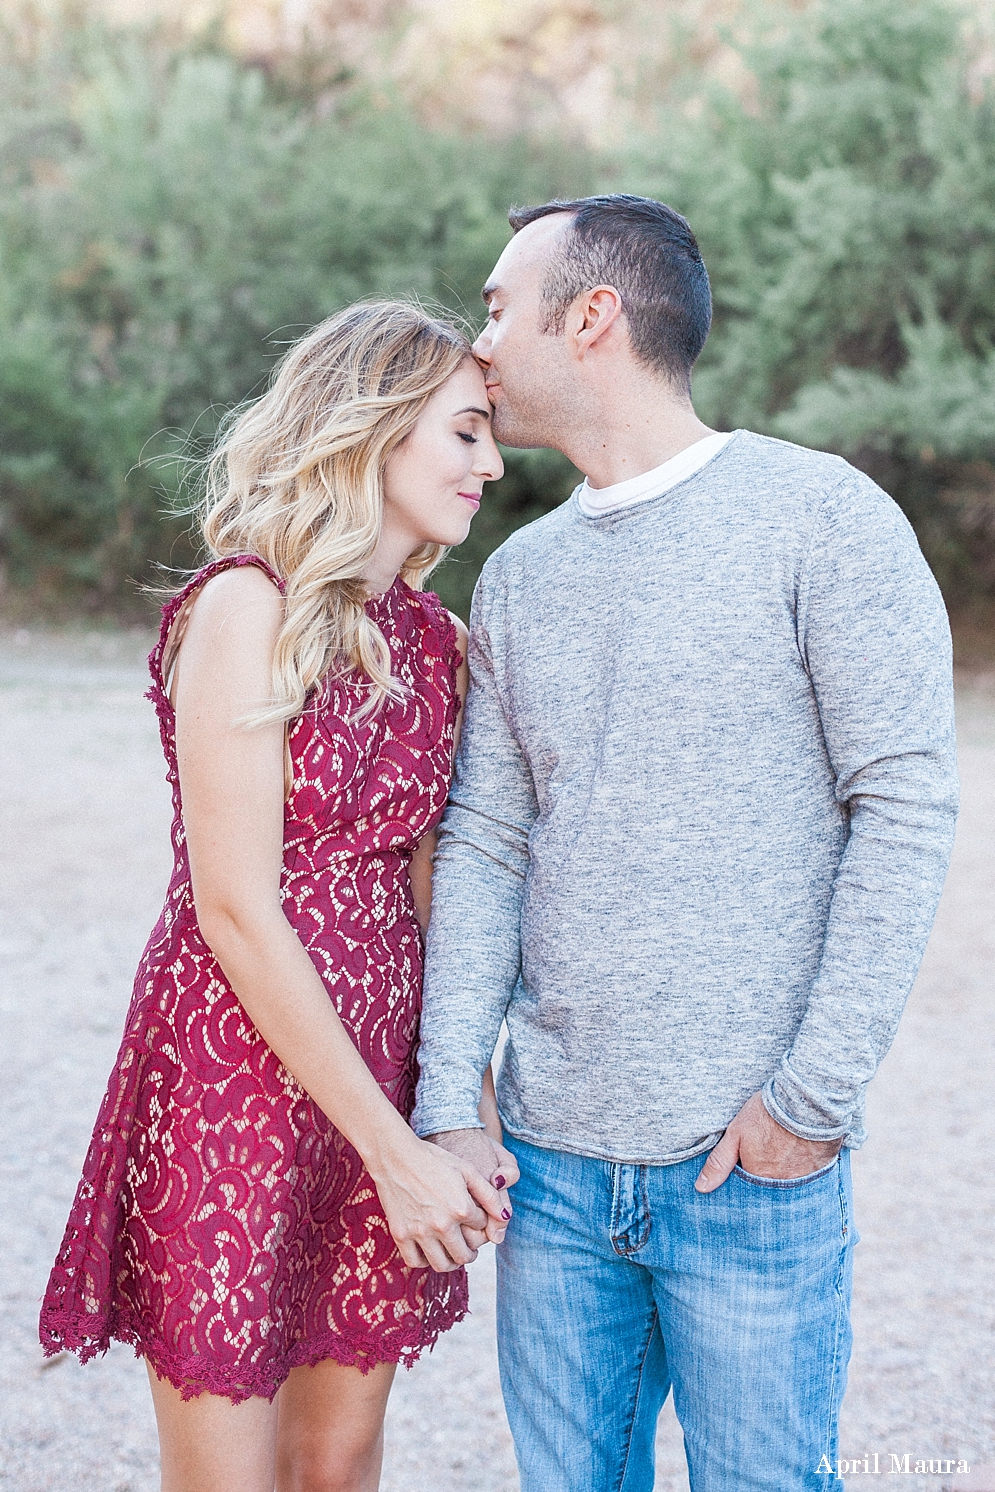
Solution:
(647, 252)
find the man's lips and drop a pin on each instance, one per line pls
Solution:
(492, 389)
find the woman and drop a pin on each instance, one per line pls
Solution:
(255, 1214)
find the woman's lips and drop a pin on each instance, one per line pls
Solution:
(473, 498)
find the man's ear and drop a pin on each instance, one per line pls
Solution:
(591, 317)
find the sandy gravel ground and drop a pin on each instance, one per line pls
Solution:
(86, 857)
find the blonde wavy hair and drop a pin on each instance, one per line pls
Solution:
(297, 479)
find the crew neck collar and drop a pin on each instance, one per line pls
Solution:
(595, 502)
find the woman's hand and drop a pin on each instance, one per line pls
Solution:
(506, 1171)
(433, 1197)
(504, 1175)
(482, 1155)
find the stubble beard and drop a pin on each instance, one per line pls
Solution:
(509, 430)
(522, 422)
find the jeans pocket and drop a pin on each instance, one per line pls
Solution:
(787, 1183)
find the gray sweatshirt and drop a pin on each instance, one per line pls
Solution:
(702, 813)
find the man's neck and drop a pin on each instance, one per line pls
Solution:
(619, 446)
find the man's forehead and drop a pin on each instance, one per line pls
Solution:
(526, 254)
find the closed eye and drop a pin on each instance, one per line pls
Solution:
(471, 440)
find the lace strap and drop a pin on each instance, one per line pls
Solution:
(158, 692)
(443, 626)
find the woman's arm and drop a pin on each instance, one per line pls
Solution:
(232, 785)
(420, 870)
(421, 860)
(488, 1111)
(462, 676)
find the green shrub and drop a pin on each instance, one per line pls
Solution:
(169, 218)
(172, 219)
(846, 211)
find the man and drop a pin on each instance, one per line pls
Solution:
(701, 820)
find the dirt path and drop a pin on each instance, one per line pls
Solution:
(86, 850)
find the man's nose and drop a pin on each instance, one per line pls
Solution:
(482, 347)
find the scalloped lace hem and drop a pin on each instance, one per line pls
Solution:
(63, 1331)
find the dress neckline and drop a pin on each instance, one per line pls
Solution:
(386, 598)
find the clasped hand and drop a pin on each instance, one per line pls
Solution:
(445, 1197)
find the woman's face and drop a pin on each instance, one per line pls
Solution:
(433, 481)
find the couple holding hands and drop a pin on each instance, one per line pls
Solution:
(703, 803)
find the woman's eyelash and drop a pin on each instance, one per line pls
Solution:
(471, 440)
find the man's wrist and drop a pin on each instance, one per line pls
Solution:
(428, 1125)
(441, 1135)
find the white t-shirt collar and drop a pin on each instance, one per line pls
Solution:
(594, 501)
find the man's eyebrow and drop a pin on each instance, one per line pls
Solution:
(472, 409)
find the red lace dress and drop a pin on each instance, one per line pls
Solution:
(223, 1226)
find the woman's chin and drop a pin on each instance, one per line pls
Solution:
(454, 534)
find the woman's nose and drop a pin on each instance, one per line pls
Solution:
(490, 466)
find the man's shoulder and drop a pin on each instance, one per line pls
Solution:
(799, 487)
(528, 543)
(775, 460)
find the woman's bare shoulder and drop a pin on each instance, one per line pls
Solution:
(242, 583)
(243, 595)
(463, 668)
(461, 631)
(224, 638)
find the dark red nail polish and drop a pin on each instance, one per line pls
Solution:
(499, 1182)
(506, 1215)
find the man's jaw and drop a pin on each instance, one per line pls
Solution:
(503, 426)
(495, 396)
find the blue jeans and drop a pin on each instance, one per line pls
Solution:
(618, 1282)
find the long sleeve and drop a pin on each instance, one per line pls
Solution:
(874, 637)
(473, 951)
